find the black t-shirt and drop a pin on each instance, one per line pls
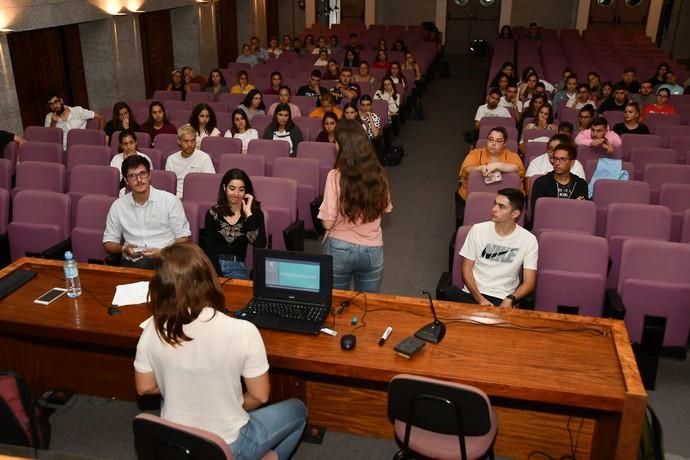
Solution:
(610, 105)
(564, 191)
(5, 138)
(621, 129)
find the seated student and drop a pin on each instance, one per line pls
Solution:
(191, 77)
(371, 122)
(274, 50)
(659, 77)
(672, 84)
(491, 108)
(188, 159)
(177, 83)
(543, 120)
(561, 182)
(617, 102)
(631, 121)
(351, 59)
(313, 88)
(345, 88)
(247, 56)
(389, 93)
(381, 60)
(566, 95)
(566, 128)
(322, 60)
(284, 98)
(232, 224)
(157, 122)
(496, 254)
(581, 99)
(599, 135)
(629, 81)
(128, 148)
(241, 129)
(216, 84)
(584, 118)
(646, 94)
(327, 105)
(363, 75)
(67, 118)
(327, 134)
(282, 128)
(242, 86)
(543, 164)
(321, 44)
(661, 106)
(253, 104)
(510, 99)
(203, 120)
(122, 119)
(332, 71)
(276, 83)
(141, 223)
(199, 359)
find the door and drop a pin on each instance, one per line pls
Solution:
(470, 20)
(352, 12)
(156, 49)
(619, 14)
(226, 30)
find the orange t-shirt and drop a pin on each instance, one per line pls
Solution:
(480, 156)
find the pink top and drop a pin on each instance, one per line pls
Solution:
(368, 234)
(585, 138)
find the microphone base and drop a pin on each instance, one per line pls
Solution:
(432, 332)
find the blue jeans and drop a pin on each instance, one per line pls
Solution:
(233, 269)
(365, 263)
(278, 427)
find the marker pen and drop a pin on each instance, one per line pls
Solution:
(386, 334)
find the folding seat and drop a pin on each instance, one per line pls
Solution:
(32, 232)
(167, 143)
(607, 191)
(260, 122)
(667, 132)
(217, 146)
(311, 127)
(156, 156)
(181, 106)
(254, 165)
(6, 171)
(653, 120)
(164, 180)
(632, 220)
(586, 153)
(92, 180)
(453, 277)
(278, 196)
(270, 150)
(681, 144)
(484, 130)
(658, 174)
(675, 197)
(197, 97)
(571, 273)
(613, 117)
(181, 117)
(305, 103)
(577, 216)
(685, 228)
(655, 282)
(379, 107)
(224, 121)
(536, 133)
(165, 96)
(87, 234)
(475, 182)
(570, 115)
(41, 151)
(88, 155)
(191, 211)
(39, 175)
(511, 144)
(219, 107)
(591, 166)
(143, 140)
(534, 149)
(85, 137)
(305, 171)
(10, 154)
(637, 141)
(642, 156)
(202, 189)
(42, 134)
(232, 101)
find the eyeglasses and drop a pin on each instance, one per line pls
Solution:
(492, 140)
(559, 159)
(134, 176)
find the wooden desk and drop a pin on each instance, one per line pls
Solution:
(542, 371)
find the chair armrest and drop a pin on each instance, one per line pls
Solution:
(444, 281)
(57, 251)
(613, 305)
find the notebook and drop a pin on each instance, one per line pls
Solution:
(292, 291)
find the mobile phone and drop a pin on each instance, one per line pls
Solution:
(139, 249)
(51, 296)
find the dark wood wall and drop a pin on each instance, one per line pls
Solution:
(272, 15)
(47, 61)
(226, 31)
(156, 49)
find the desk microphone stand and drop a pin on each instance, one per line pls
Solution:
(432, 332)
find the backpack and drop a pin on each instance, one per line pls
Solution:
(22, 421)
(652, 437)
(394, 155)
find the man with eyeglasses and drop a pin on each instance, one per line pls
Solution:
(561, 182)
(616, 103)
(189, 159)
(661, 106)
(141, 223)
(543, 164)
(66, 118)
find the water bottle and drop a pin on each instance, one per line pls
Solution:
(72, 276)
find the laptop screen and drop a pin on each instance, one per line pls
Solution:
(293, 276)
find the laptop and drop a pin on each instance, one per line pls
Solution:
(292, 291)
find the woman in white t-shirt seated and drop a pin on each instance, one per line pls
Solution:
(352, 208)
(241, 129)
(203, 120)
(128, 148)
(197, 358)
(282, 128)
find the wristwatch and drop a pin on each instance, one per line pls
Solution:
(512, 298)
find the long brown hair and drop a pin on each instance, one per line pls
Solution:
(184, 283)
(364, 190)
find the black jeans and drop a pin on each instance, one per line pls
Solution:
(456, 294)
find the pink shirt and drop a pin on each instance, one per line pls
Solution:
(365, 234)
(585, 138)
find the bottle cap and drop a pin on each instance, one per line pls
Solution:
(68, 255)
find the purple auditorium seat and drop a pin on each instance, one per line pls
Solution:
(191, 211)
(166, 143)
(164, 180)
(475, 182)
(270, 150)
(322, 151)
(511, 144)
(181, 117)
(178, 106)
(217, 146)
(202, 189)
(305, 171)
(535, 133)
(6, 171)
(41, 151)
(675, 197)
(92, 180)
(607, 191)
(305, 103)
(655, 281)
(156, 156)
(89, 224)
(218, 107)
(278, 196)
(260, 122)
(578, 216)
(10, 153)
(586, 153)
(654, 120)
(668, 132)
(379, 107)
(658, 174)
(631, 220)
(42, 134)
(88, 155)
(197, 97)
(681, 144)
(568, 114)
(39, 175)
(85, 137)
(311, 127)
(478, 207)
(143, 141)
(637, 141)
(270, 99)
(572, 272)
(642, 156)
(685, 229)
(231, 100)
(456, 268)
(613, 117)
(254, 165)
(34, 232)
(484, 130)
(4, 210)
(534, 149)
(224, 120)
(591, 165)
(165, 96)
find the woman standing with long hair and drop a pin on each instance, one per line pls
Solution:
(355, 198)
(197, 358)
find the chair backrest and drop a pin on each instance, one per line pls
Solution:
(607, 191)
(278, 192)
(475, 182)
(638, 220)
(85, 137)
(164, 180)
(681, 144)
(217, 146)
(143, 140)
(270, 150)
(254, 165)
(486, 129)
(165, 96)
(156, 156)
(224, 120)
(41, 151)
(685, 229)
(654, 120)
(201, 187)
(478, 208)
(304, 170)
(39, 175)
(586, 153)
(197, 97)
(94, 180)
(55, 209)
(43, 134)
(565, 215)
(167, 143)
(4, 210)
(191, 211)
(310, 126)
(156, 438)
(92, 211)
(667, 132)
(638, 140)
(260, 122)
(6, 171)
(456, 269)
(87, 155)
(488, 123)
(535, 133)
(642, 156)
(322, 151)
(658, 174)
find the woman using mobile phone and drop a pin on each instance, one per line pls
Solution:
(232, 224)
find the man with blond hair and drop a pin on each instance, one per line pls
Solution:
(189, 159)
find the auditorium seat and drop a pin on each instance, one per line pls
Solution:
(578, 216)
(39, 175)
(305, 171)
(85, 137)
(254, 165)
(658, 174)
(88, 155)
(43, 134)
(607, 191)
(87, 234)
(637, 141)
(324, 152)
(279, 197)
(202, 189)
(270, 150)
(217, 146)
(676, 197)
(642, 156)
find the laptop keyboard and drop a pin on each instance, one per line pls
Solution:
(310, 313)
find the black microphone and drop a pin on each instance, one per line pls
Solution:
(432, 332)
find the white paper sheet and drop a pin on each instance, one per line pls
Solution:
(131, 294)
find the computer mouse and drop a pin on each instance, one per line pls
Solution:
(348, 342)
